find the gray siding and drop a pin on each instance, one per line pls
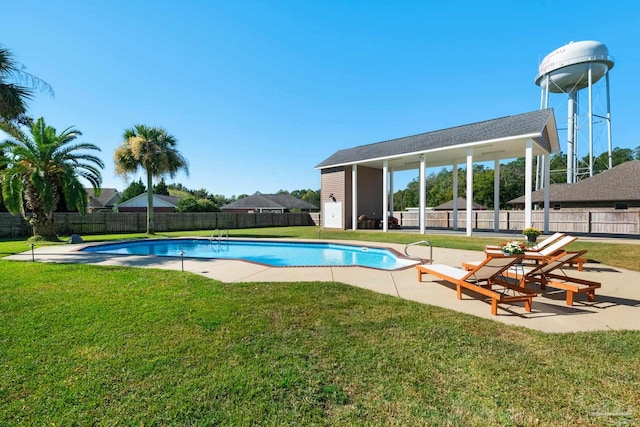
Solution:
(369, 192)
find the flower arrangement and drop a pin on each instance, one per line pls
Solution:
(531, 232)
(512, 248)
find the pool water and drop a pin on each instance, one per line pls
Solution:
(277, 254)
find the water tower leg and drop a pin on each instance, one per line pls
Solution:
(540, 160)
(571, 134)
(609, 147)
(590, 79)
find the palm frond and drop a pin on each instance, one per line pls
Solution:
(10, 68)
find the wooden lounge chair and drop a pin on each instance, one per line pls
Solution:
(544, 276)
(535, 248)
(481, 279)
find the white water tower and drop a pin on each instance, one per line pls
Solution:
(567, 70)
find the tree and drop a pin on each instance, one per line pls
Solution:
(221, 200)
(134, 189)
(190, 204)
(161, 188)
(308, 195)
(200, 194)
(512, 178)
(483, 186)
(312, 197)
(36, 169)
(618, 156)
(16, 89)
(408, 197)
(177, 186)
(153, 150)
(557, 168)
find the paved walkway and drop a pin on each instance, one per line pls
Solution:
(617, 304)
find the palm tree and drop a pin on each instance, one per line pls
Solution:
(16, 89)
(37, 170)
(152, 149)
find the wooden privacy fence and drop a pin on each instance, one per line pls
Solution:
(621, 222)
(575, 221)
(67, 223)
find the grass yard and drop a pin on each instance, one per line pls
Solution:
(88, 345)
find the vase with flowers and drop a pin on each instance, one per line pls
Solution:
(532, 233)
(512, 248)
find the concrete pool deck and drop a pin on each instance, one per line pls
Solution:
(617, 305)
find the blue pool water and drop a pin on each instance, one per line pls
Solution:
(277, 254)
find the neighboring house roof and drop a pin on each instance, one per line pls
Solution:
(269, 201)
(461, 203)
(159, 201)
(108, 198)
(620, 183)
(503, 138)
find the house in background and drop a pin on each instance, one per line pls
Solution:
(461, 205)
(161, 203)
(268, 203)
(616, 188)
(107, 200)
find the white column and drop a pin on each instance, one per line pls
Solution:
(528, 170)
(538, 182)
(455, 196)
(354, 197)
(547, 191)
(421, 208)
(496, 195)
(469, 189)
(392, 201)
(385, 195)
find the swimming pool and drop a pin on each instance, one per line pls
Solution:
(277, 254)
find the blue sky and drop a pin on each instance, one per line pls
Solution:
(259, 92)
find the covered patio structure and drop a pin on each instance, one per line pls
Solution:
(360, 179)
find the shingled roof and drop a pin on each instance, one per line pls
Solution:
(461, 205)
(621, 183)
(504, 137)
(107, 199)
(269, 201)
(160, 200)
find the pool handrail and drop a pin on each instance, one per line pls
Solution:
(219, 235)
(420, 242)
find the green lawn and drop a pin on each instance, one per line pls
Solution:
(87, 345)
